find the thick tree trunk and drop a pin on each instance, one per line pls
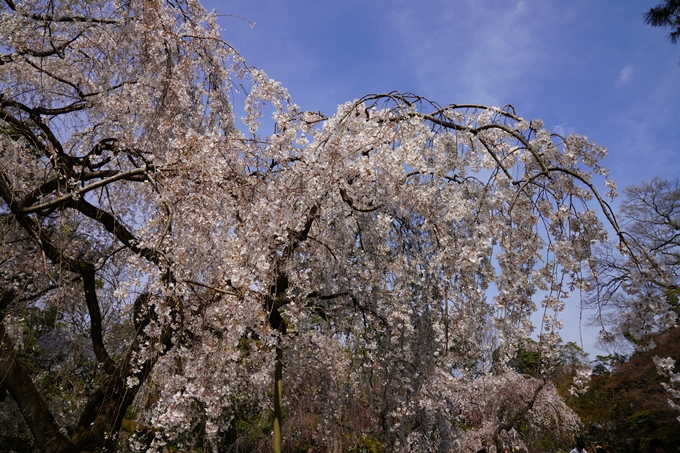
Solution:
(278, 399)
(102, 416)
(18, 382)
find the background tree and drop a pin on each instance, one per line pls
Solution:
(639, 302)
(666, 15)
(627, 407)
(638, 306)
(564, 365)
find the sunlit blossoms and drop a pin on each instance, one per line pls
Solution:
(666, 367)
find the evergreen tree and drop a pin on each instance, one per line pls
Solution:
(666, 15)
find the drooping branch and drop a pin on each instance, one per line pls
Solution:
(606, 208)
(346, 198)
(50, 18)
(74, 107)
(55, 50)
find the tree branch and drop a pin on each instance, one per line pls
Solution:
(112, 225)
(128, 175)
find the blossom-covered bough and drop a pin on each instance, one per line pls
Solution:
(386, 256)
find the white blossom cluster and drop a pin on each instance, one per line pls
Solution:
(666, 367)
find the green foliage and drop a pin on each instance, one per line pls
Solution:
(561, 369)
(673, 299)
(527, 360)
(249, 428)
(368, 444)
(604, 364)
(626, 406)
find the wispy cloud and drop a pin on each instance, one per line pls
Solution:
(563, 129)
(474, 51)
(625, 75)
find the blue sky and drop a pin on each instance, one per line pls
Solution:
(586, 66)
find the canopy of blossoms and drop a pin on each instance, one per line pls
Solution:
(402, 241)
